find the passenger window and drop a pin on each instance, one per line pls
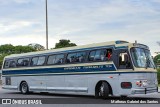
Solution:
(109, 54)
(124, 61)
(51, 59)
(23, 62)
(91, 55)
(71, 58)
(76, 57)
(55, 59)
(6, 65)
(59, 59)
(80, 57)
(98, 55)
(41, 60)
(34, 61)
(12, 64)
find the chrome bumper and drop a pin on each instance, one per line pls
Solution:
(144, 90)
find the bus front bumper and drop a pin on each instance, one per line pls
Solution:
(144, 90)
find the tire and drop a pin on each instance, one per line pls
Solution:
(24, 88)
(103, 91)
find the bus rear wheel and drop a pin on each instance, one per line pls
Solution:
(24, 88)
(103, 91)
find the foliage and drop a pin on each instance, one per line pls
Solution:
(157, 59)
(23, 49)
(1, 59)
(37, 47)
(6, 49)
(64, 43)
(10, 49)
(158, 75)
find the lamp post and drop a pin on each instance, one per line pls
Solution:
(46, 26)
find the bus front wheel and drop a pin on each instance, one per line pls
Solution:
(102, 90)
(24, 88)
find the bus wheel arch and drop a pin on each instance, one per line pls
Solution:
(23, 87)
(106, 85)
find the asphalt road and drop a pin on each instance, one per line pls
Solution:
(15, 94)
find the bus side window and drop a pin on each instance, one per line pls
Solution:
(51, 59)
(6, 64)
(71, 58)
(109, 54)
(97, 55)
(41, 60)
(34, 61)
(80, 57)
(91, 55)
(59, 59)
(76, 57)
(124, 61)
(23, 62)
(12, 64)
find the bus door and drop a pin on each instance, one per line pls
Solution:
(124, 66)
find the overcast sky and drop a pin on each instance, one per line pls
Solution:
(82, 21)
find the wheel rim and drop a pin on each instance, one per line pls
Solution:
(24, 88)
(101, 90)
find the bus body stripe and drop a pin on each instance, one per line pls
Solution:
(77, 69)
(79, 73)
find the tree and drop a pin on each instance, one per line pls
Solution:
(37, 47)
(64, 43)
(10, 49)
(1, 59)
(157, 59)
(6, 49)
(23, 49)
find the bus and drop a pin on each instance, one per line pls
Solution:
(115, 68)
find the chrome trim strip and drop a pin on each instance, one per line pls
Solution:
(10, 87)
(67, 89)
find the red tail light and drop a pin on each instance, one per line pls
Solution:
(126, 85)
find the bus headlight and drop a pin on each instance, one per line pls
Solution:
(142, 83)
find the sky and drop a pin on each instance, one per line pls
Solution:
(82, 21)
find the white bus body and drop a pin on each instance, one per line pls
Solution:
(83, 70)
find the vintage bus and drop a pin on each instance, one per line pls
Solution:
(116, 68)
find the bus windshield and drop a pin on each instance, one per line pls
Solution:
(142, 58)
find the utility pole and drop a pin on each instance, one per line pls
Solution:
(46, 26)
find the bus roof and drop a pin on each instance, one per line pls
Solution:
(112, 43)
